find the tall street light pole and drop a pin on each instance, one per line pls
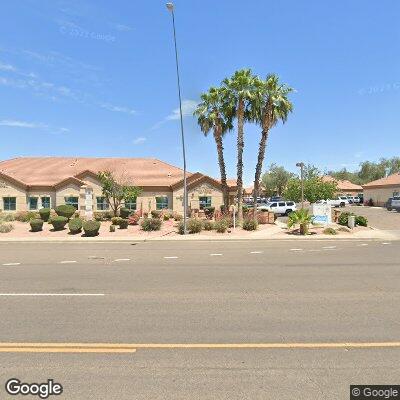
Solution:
(170, 7)
(301, 166)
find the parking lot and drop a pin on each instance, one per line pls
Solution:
(378, 217)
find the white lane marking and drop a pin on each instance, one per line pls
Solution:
(68, 262)
(329, 247)
(386, 243)
(296, 249)
(169, 257)
(51, 294)
(215, 254)
(255, 252)
(362, 244)
(314, 250)
(122, 259)
(96, 258)
(11, 264)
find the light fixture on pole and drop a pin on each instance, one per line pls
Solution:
(301, 166)
(170, 7)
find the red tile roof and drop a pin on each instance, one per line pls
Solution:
(48, 171)
(343, 185)
(391, 180)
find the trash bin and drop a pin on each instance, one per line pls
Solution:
(351, 222)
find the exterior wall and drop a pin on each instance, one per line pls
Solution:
(146, 201)
(8, 189)
(350, 192)
(45, 192)
(380, 195)
(204, 189)
(70, 189)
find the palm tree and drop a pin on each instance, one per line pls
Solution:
(212, 114)
(270, 105)
(239, 95)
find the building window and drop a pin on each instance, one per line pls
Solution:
(161, 202)
(10, 203)
(46, 203)
(33, 203)
(102, 203)
(205, 202)
(72, 201)
(131, 204)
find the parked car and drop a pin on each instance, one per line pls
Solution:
(279, 207)
(354, 199)
(340, 201)
(276, 198)
(393, 203)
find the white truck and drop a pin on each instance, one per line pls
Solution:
(340, 201)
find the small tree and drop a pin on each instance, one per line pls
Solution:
(117, 189)
(275, 180)
(314, 189)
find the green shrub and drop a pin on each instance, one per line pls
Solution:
(115, 220)
(65, 210)
(44, 214)
(75, 225)
(5, 228)
(166, 217)
(194, 225)
(361, 221)
(112, 228)
(36, 225)
(151, 224)
(250, 224)
(156, 214)
(330, 231)
(124, 212)
(102, 215)
(208, 225)
(344, 218)
(58, 222)
(221, 226)
(26, 216)
(123, 223)
(91, 228)
(7, 217)
(181, 228)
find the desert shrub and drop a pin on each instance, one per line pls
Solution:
(91, 228)
(7, 217)
(112, 228)
(65, 210)
(124, 212)
(181, 228)
(45, 214)
(361, 221)
(151, 224)
(194, 225)
(123, 223)
(250, 224)
(102, 215)
(156, 214)
(178, 217)
(75, 225)
(36, 225)
(209, 211)
(166, 217)
(329, 231)
(208, 225)
(344, 218)
(115, 220)
(25, 216)
(221, 226)
(5, 228)
(370, 203)
(58, 222)
(133, 219)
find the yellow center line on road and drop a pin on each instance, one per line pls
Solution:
(132, 347)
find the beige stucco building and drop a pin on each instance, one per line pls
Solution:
(31, 183)
(380, 190)
(344, 186)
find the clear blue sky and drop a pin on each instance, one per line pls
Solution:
(97, 78)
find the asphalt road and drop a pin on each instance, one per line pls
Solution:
(237, 292)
